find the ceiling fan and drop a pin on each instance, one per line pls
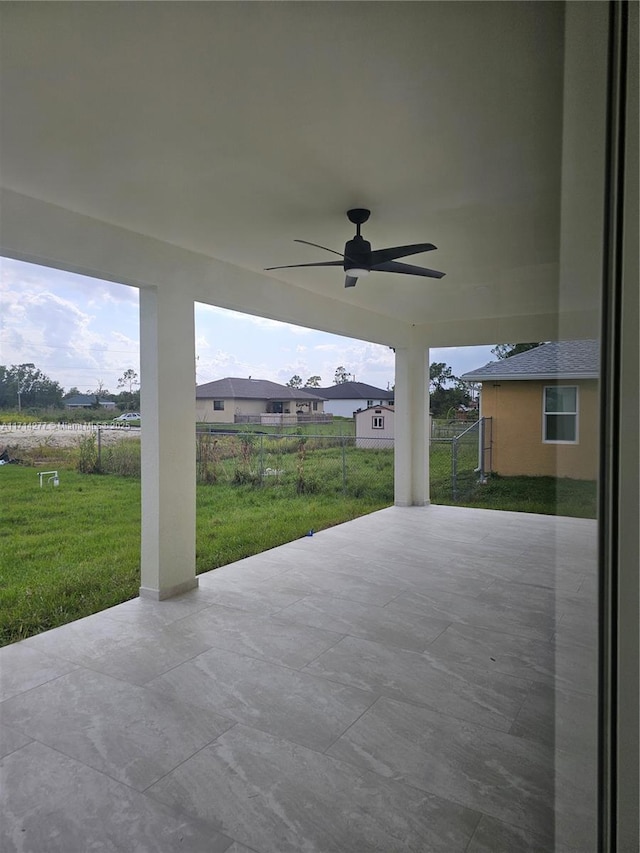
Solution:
(359, 259)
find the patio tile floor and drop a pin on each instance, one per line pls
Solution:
(419, 679)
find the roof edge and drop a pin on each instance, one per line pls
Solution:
(514, 377)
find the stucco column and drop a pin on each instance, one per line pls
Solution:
(411, 458)
(167, 382)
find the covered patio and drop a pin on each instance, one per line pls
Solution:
(419, 679)
(423, 678)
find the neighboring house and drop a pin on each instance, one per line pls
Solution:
(349, 397)
(544, 409)
(87, 401)
(234, 400)
(375, 427)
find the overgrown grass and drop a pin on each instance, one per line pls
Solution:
(55, 416)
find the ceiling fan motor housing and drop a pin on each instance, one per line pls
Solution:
(357, 254)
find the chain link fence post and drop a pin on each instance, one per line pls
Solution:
(344, 465)
(261, 460)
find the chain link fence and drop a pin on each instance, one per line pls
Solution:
(297, 464)
(460, 461)
(313, 464)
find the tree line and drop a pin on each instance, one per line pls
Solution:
(24, 386)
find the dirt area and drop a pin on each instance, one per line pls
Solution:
(27, 437)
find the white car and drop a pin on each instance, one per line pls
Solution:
(127, 416)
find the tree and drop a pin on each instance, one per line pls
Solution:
(295, 381)
(341, 376)
(447, 392)
(507, 350)
(24, 386)
(313, 382)
(443, 400)
(128, 379)
(440, 374)
(99, 391)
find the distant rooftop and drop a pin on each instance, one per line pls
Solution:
(253, 389)
(355, 391)
(86, 400)
(555, 360)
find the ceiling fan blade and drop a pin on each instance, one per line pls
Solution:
(350, 281)
(322, 264)
(381, 256)
(407, 269)
(318, 246)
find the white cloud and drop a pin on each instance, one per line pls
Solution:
(255, 320)
(72, 335)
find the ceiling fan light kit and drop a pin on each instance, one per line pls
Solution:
(359, 259)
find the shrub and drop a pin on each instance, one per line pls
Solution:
(88, 459)
(208, 456)
(245, 477)
(123, 459)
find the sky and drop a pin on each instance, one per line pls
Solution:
(83, 333)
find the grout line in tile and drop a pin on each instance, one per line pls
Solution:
(352, 723)
(145, 791)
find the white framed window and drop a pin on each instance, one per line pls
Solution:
(377, 421)
(560, 414)
(218, 405)
(369, 404)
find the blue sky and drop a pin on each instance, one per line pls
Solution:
(84, 333)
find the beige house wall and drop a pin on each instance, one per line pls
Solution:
(232, 407)
(206, 414)
(516, 409)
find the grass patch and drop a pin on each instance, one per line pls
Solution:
(543, 495)
(337, 426)
(65, 552)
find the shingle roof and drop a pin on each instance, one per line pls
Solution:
(252, 389)
(83, 400)
(555, 360)
(355, 391)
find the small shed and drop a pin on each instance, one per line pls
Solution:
(375, 427)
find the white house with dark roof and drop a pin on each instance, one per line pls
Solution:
(543, 405)
(237, 400)
(349, 397)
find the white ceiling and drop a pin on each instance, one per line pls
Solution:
(232, 128)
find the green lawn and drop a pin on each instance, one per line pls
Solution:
(545, 495)
(337, 426)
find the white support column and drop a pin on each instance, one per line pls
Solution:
(412, 426)
(167, 382)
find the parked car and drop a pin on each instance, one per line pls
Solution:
(127, 416)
